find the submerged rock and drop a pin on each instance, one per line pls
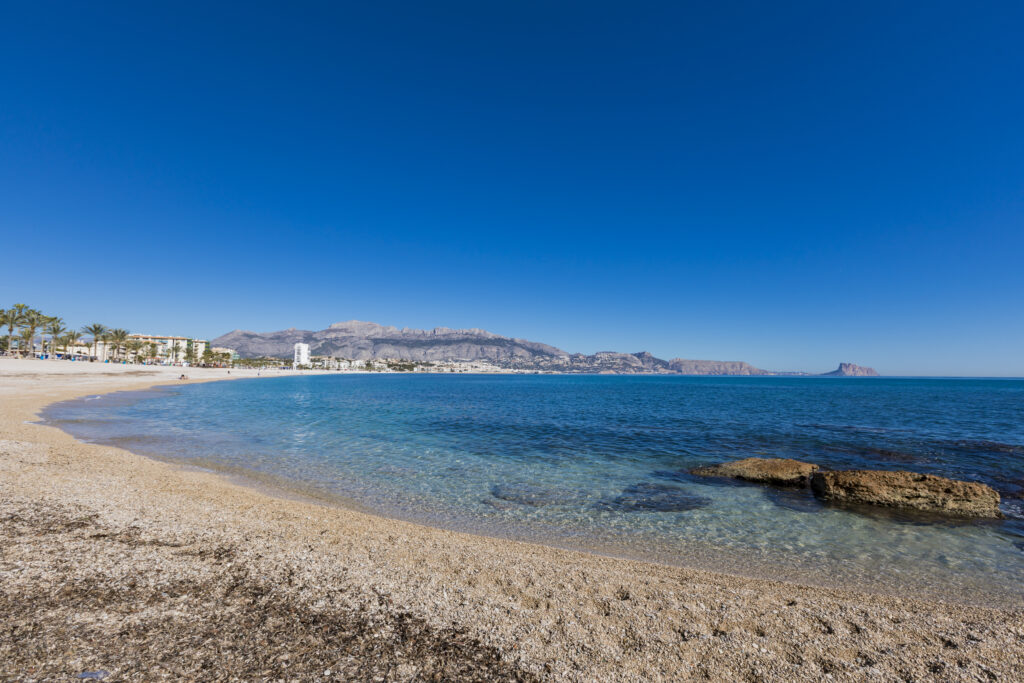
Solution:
(798, 500)
(685, 477)
(647, 497)
(908, 490)
(778, 471)
(525, 494)
(876, 453)
(988, 446)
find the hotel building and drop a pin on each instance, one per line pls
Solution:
(301, 355)
(172, 349)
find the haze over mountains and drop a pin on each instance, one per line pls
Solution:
(365, 341)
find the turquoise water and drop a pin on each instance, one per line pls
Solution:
(600, 463)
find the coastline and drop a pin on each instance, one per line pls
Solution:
(459, 605)
(704, 553)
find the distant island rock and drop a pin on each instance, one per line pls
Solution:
(851, 370)
(358, 340)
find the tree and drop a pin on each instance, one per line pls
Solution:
(105, 338)
(175, 350)
(31, 323)
(13, 318)
(8, 319)
(152, 350)
(190, 352)
(135, 346)
(118, 338)
(25, 338)
(96, 331)
(208, 356)
(54, 328)
(70, 340)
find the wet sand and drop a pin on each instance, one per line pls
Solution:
(114, 562)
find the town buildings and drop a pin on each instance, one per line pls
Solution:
(162, 349)
(172, 349)
(232, 354)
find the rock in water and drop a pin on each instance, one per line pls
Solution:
(798, 500)
(778, 471)
(851, 370)
(908, 490)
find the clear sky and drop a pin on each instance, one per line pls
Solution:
(790, 184)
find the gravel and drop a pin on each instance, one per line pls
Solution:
(115, 564)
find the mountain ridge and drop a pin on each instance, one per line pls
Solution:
(361, 340)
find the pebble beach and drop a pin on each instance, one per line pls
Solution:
(127, 568)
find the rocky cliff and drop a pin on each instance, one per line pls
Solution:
(851, 370)
(714, 367)
(365, 341)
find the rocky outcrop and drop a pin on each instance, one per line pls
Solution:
(851, 370)
(683, 366)
(907, 490)
(777, 471)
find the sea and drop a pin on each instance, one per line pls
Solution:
(601, 463)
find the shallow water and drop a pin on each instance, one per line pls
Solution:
(599, 463)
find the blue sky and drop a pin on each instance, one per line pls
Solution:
(791, 186)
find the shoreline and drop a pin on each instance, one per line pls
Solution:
(518, 610)
(953, 587)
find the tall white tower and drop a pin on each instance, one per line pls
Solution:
(301, 355)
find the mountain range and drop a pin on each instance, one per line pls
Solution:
(358, 340)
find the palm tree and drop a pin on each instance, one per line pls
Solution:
(105, 338)
(95, 331)
(152, 350)
(135, 346)
(175, 350)
(54, 328)
(25, 339)
(119, 338)
(13, 318)
(31, 323)
(7, 318)
(70, 340)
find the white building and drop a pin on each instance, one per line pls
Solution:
(156, 349)
(301, 355)
(232, 354)
(171, 349)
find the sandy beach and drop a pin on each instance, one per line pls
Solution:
(117, 563)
